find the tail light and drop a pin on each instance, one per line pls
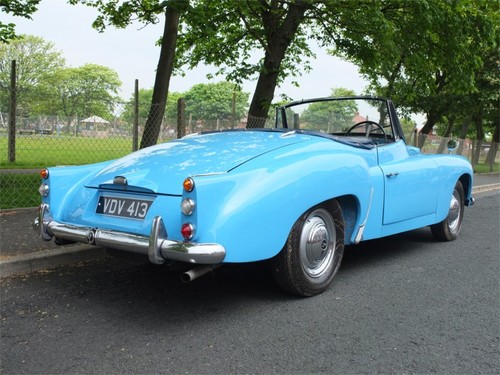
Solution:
(187, 231)
(187, 206)
(44, 190)
(188, 184)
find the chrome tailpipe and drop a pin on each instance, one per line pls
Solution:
(194, 273)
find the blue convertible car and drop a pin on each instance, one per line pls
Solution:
(333, 172)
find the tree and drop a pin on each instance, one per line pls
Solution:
(35, 59)
(213, 101)
(430, 69)
(145, 96)
(239, 28)
(278, 29)
(84, 91)
(121, 15)
(19, 8)
(338, 115)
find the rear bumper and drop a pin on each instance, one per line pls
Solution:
(157, 246)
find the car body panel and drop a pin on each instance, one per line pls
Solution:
(407, 179)
(251, 187)
(250, 235)
(192, 155)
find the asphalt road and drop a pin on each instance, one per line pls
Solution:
(404, 304)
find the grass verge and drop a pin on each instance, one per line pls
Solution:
(19, 190)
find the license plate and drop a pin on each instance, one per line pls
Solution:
(123, 207)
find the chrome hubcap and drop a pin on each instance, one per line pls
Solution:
(454, 213)
(317, 243)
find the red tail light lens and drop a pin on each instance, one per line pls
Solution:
(44, 173)
(187, 231)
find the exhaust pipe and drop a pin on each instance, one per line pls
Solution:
(194, 273)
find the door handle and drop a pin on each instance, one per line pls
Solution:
(392, 174)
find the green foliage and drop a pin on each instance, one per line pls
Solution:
(337, 114)
(145, 96)
(120, 13)
(235, 32)
(44, 85)
(426, 55)
(87, 90)
(408, 126)
(35, 60)
(210, 101)
(19, 8)
(204, 101)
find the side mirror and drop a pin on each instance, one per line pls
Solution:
(452, 145)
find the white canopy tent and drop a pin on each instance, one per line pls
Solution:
(94, 120)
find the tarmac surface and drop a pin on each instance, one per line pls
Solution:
(22, 251)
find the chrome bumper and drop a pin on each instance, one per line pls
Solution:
(157, 247)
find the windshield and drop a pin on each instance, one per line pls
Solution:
(339, 116)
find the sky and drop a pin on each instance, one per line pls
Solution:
(132, 53)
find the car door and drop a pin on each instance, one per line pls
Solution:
(411, 182)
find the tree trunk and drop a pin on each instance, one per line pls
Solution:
(162, 80)
(463, 136)
(444, 141)
(479, 138)
(434, 113)
(492, 153)
(264, 93)
(278, 39)
(427, 128)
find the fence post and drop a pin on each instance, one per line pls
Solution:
(12, 114)
(296, 120)
(181, 118)
(233, 111)
(135, 127)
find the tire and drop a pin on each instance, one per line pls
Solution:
(313, 252)
(449, 228)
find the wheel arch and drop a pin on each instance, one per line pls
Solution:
(466, 181)
(350, 211)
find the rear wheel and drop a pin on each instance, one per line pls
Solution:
(449, 228)
(313, 252)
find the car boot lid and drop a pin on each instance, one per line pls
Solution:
(163, 168)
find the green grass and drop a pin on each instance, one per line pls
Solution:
(36, 151)
(485, 168)
(19, 190)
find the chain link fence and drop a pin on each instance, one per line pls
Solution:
(45, 141)
(42, 141)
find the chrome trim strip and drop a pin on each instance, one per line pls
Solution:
(157, 247)
(361, 229)
(359, 235)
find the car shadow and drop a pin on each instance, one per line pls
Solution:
(148, 288)
(380, 250)
(121, 289)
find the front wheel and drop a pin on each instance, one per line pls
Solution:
(313, 252)
(448, 229)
